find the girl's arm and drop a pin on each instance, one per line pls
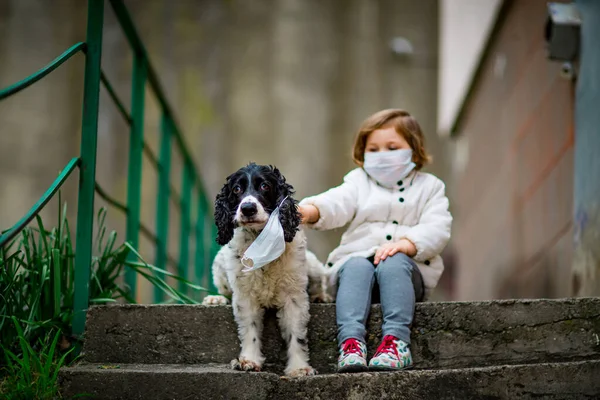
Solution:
(333, 208)
(432, 233)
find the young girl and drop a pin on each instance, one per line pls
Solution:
(399, 224)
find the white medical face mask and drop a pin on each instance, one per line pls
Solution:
(389, 167)
(268, 246)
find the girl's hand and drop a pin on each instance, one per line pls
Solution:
(389, 249)
(309, 213)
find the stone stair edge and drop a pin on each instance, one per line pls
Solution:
(225, 368)
(573, 380)
(501, 302)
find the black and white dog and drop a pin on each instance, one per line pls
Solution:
(242, 209)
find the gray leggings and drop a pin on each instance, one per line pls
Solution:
(400, 284)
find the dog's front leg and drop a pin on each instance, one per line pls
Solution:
(249, 319)
(293, 321)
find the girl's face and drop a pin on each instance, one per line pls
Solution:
(385, 139)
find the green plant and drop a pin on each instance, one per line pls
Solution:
(36, 299)
(33, 373)
(37, 279)
(35, 282)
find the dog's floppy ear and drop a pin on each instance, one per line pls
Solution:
(288, 212)
(290, 218)
(223, 217)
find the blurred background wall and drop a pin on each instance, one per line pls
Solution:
(513, 181)
(287, 82)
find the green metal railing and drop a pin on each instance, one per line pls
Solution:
(201, 229)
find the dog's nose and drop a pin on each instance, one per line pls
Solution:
(248, 209)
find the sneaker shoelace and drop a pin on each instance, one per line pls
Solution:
(352, 346)
(388, 346)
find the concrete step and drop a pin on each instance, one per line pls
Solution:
(572, 380)
(444, 335)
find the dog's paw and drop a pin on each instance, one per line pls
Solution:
(300, 372)
(243, 364)
(215, 300)
(321, 298)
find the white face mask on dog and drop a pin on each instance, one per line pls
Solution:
(268, 246)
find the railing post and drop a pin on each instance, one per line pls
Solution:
(184, 239)
(136, 146)
(87, 175)
(162, 203)
(200, 258)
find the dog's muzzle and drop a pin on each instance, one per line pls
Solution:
(248, 209)
(251, 213)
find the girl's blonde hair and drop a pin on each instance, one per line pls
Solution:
(403, 123)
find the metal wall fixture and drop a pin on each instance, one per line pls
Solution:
(562, 34)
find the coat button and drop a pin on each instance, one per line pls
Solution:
(402, 189)
(389, 237)
(427, 262)
(399, 183)
(401, 199)
(395, 222)
(330, 264)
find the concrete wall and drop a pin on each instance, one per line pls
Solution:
(513, 187)
(284, 82)
(39, 128)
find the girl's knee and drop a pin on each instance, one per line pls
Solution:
(395, 263)
(401, 258)
(357, 265)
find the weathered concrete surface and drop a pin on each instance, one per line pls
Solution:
(159, 381)
(445, 335)
(576, 380)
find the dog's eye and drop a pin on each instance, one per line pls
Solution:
(237, 189)
(264, 187)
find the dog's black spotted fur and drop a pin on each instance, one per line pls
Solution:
(248, 181)
(242, 209)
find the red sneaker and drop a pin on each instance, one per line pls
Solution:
(353, 356)
(392, 354)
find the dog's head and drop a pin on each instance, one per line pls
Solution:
(248, 198)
